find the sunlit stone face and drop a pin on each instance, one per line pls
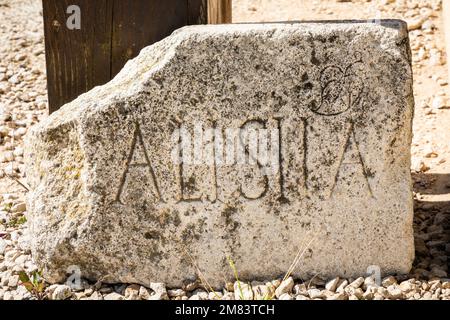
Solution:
(252, 142)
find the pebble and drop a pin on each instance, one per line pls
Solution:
(113, 296)
(393, 292)
(437, 103)
(174, 293)
(160, 291)
(3, 246)
(286, 296)
(61, 292)
(144, 293)
(132, 292)
(19, 208)
(315, 294)
(407, 286)
(285, 287)
(242, 291)
(332, 284)
(342, 286)
(97, 296)
(357, 283)
(389, 281)
(13, 281)
(262, 291)
(338, 296)
(7, 156)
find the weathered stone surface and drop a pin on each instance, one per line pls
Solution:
(110, 195)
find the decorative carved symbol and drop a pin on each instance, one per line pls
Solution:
(341, 88)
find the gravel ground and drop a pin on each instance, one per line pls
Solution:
(23, 102)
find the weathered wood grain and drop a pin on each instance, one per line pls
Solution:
(139, 23)
(77, 60)
(112, 32)
(197, 12)
(219, 11)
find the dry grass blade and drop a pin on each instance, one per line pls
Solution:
(233, 267)
(22, 184)
(297, 259)
(203, 279)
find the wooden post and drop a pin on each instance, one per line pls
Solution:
(219, 11)
(110, 33)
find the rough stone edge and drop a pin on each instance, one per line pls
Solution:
(154, 58)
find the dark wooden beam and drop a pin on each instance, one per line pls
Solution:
(111, 33)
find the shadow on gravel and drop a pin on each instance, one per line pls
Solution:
(431, 225)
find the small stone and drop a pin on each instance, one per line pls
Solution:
(342, 286)
(18, 152)
(144, 293)
(276, 283)
(437, 103)
(427, 296)
(3, 246)
(132, 292)
(19, 208)
(97, 296)
(332, 284)
(428, 25)
(285, 296)
(415, 24)
(316, 294)
(301, 297)
(285, 287)
(160, 291)
(355, 292)
(300, 289)
(215, 295)
(393, 292)
(13, 281)
(192, 286)
(389, 281)
(357, 283)
(175, 293)
(8, 296)
(80, 295)
(202, 294)
(7, 156)
(368, 295)
(369, 282)
(407, 286)
(113, 296)
(378, 296)
(242, 291)
(20, 132)
(338, 296)
(262, 292)
(4, 130)
(61, 292)
(227, 296)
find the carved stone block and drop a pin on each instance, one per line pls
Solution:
(253, 142)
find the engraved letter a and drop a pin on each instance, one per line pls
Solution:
(138, 158)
